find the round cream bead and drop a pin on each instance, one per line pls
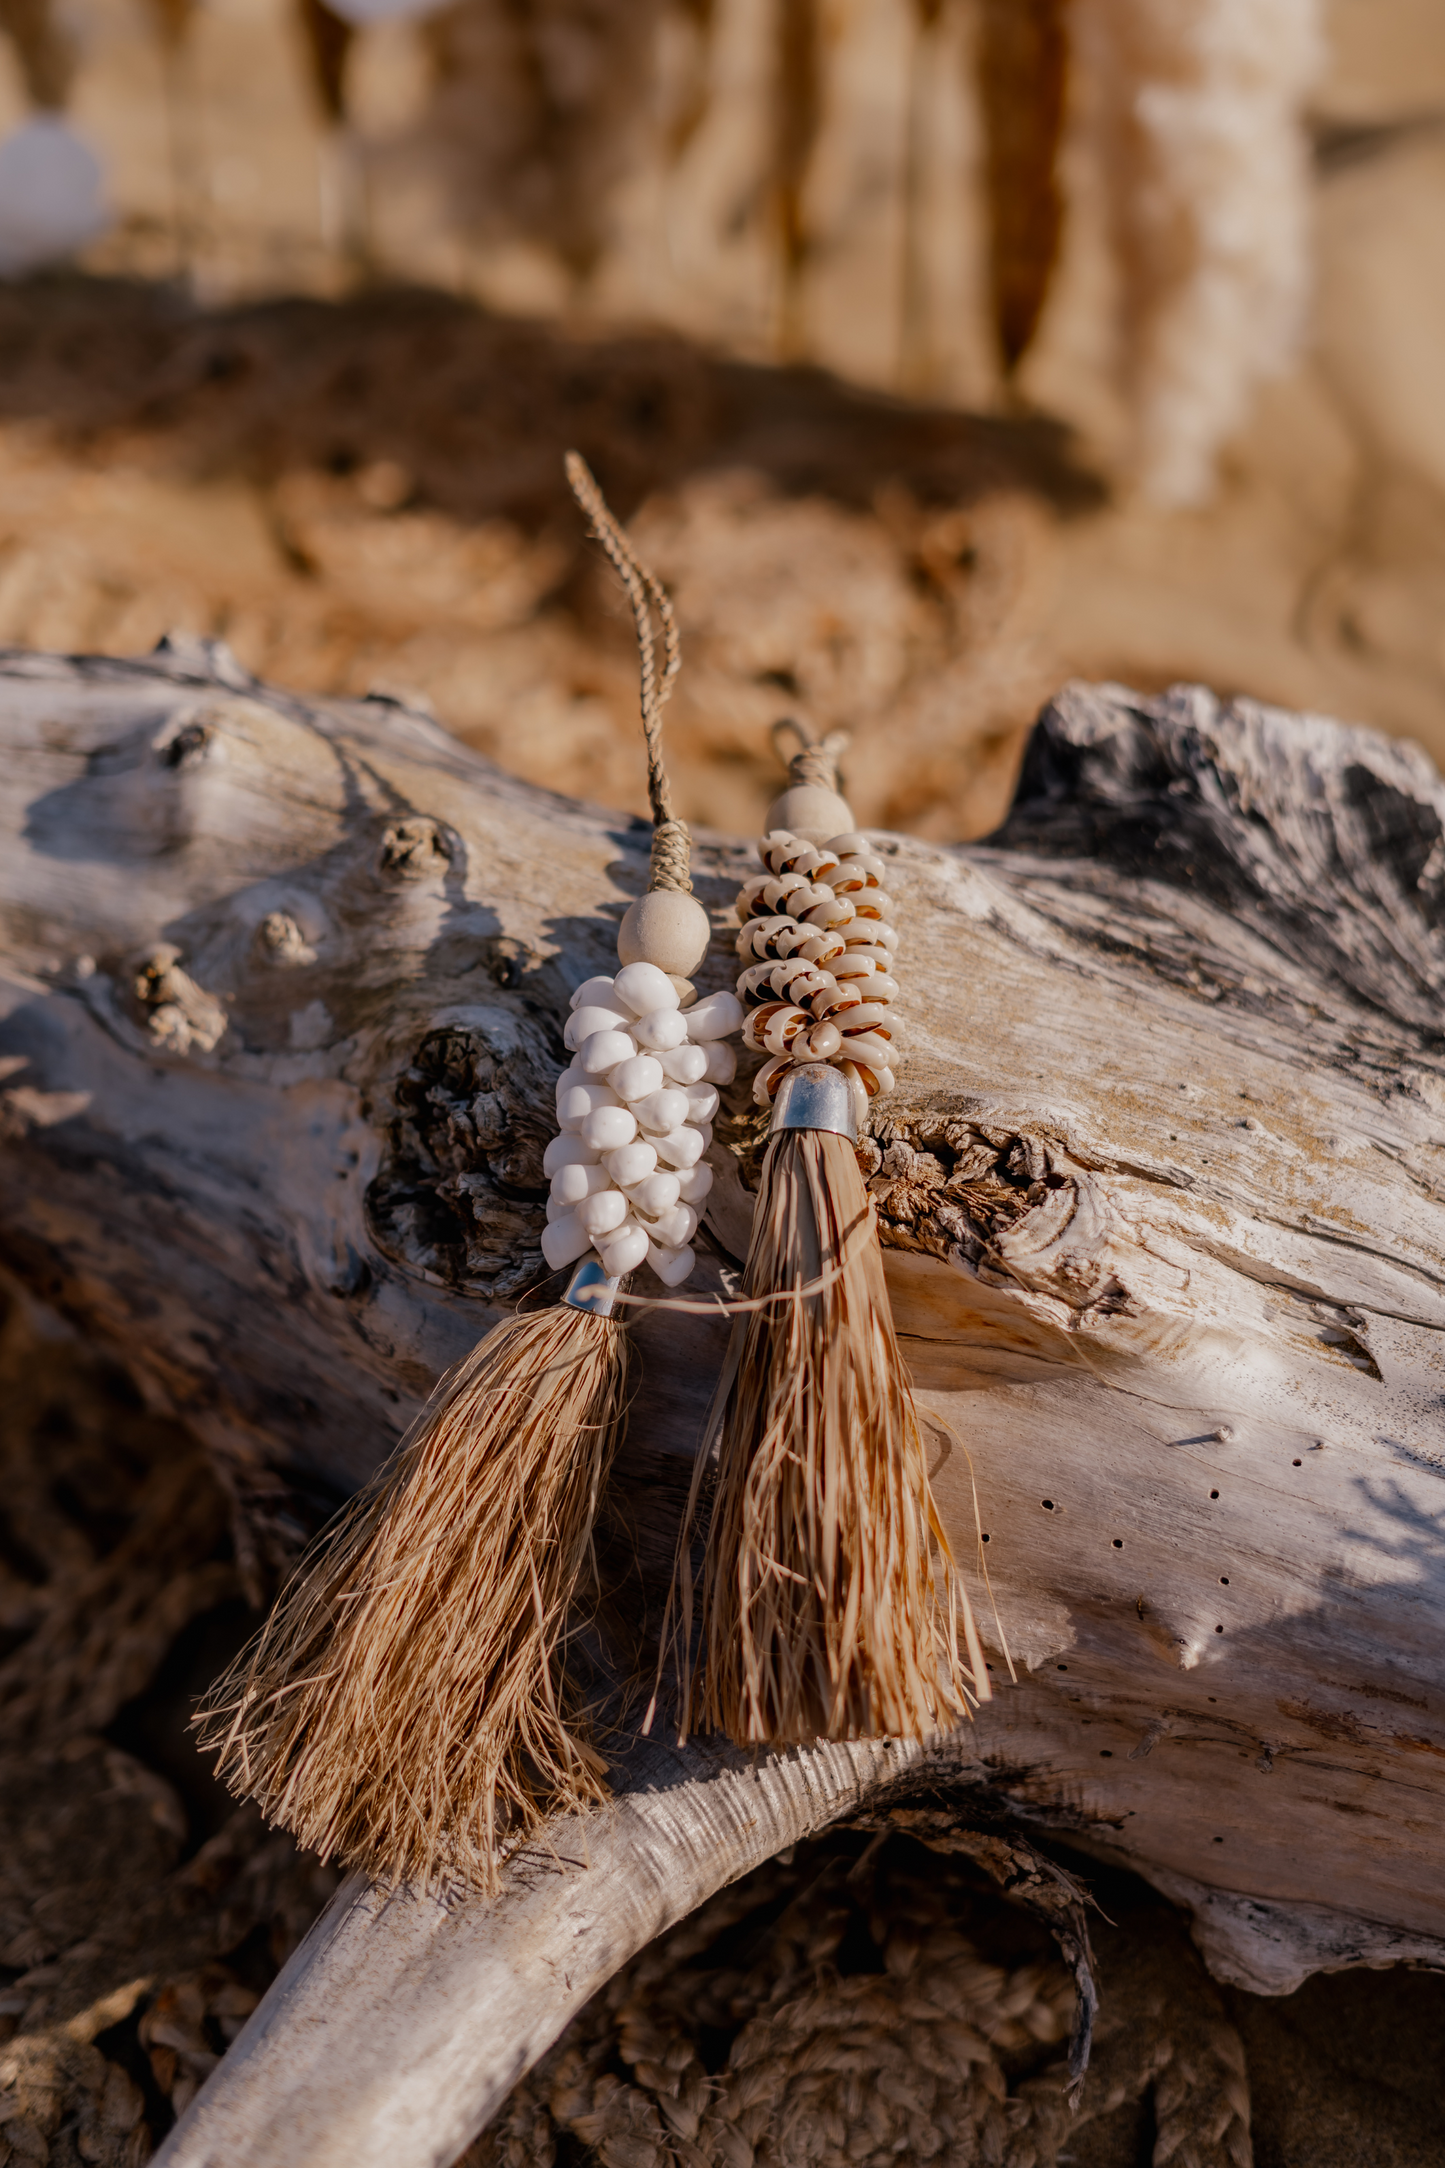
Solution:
(637, 1078)
(603, 1213)
(665, 927)
(591, 1016)
(571, 1185)
(682, 1147)
(693, 1183)
(662, 1110)
(643, 989)
(809, 811)
(564, 1241)
(631, 1162)
(661, 1031)
(606, 1128)
(565, 1151)
(624, 1251)
(722, 1062)
(714, 1017)
(684, 1065)
(579, 1101)
(604, 1050)
(598, 990)
(675, 1228)
(671, 1266)
(656, 1192)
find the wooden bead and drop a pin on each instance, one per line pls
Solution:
(666, 928)
(809, 811)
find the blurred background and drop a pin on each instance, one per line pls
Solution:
(937, 350)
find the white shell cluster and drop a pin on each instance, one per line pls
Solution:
(635, 1109)
(818, 953)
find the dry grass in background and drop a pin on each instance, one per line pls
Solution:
(363, 488)
(367, 490)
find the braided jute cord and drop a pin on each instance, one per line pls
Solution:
(816, 760)
(671, 840)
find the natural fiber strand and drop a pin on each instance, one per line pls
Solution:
(671, 838)
(830, 1604)
(403, 1708)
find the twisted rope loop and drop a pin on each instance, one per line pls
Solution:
(816, 760)
(671, 839)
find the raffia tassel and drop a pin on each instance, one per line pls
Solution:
(830, 1604)
(402, 1710)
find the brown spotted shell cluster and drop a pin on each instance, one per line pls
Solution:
(817, 948)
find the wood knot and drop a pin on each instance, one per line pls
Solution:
(186, 746)
(281, 940)
(412, 849)
(180, 1017)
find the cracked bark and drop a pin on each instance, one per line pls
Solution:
(1163, 1197)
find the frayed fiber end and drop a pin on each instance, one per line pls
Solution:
(402, 1709)
(830, 1604)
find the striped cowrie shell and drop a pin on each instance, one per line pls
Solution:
(791, 892)
(781, 852)
(869, 1048)
(859, 963)
(768, 1078)
(748, 896)
(819, 1043)
(756, 937)
(821, 948)
(755, 983)
(866, 1016)
(782, 1027)
(832, 911)
(858, 870)
(865, 1085)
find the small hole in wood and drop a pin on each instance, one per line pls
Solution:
(1118, 1543)
(1219, 1629)
(1296, 1464)
(1048, 1505)
(1224, 1580)
(1106, 1753)
(1219, 1840)
(1061, 1667)
(1214, 1494)
(983, 1539)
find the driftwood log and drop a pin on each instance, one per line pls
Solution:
(1163, 1197)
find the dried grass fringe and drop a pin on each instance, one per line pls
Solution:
(402, 1709)
(830, 1604)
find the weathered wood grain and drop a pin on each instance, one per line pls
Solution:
(1162, 1192)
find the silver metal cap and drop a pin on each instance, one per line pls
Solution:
(814, 1095)
(590, 1289)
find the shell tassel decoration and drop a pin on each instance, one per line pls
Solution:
(405, 1708)
(830, 1606)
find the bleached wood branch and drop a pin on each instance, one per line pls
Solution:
(1162, 1191)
